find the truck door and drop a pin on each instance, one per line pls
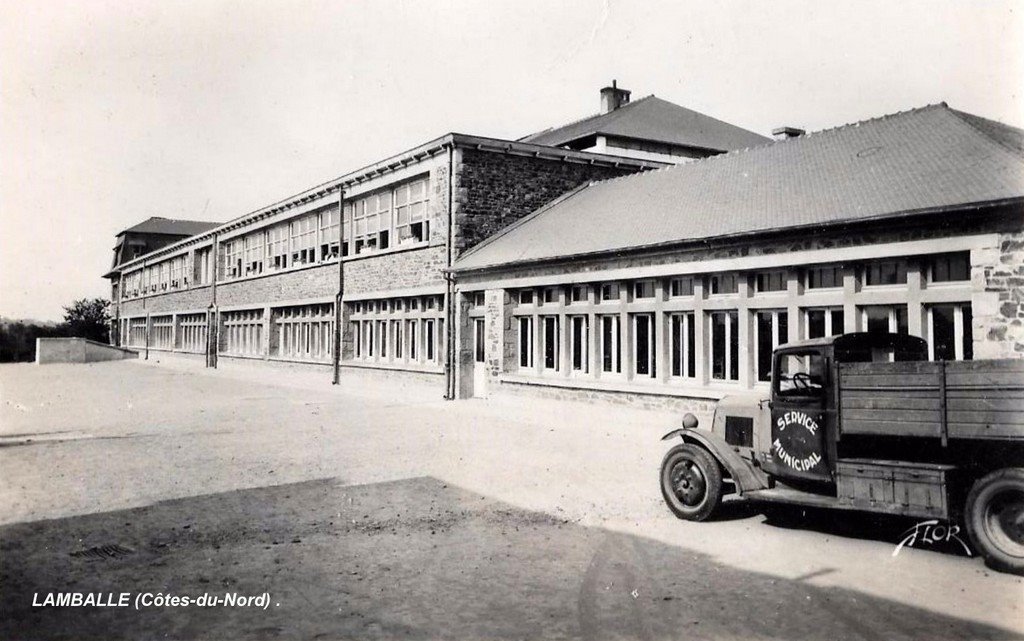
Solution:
(799, 398)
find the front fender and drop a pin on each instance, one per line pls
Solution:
(743, 473)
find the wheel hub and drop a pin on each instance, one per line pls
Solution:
(1004, 521)
(688, 483)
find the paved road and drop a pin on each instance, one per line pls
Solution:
(382, 512)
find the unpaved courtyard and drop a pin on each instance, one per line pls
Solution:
(384, 512)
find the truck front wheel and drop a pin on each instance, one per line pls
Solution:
(691, 482)
(994, 517)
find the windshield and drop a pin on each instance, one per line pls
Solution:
(800, 374)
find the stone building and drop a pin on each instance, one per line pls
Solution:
(670, 288)
(360, 262)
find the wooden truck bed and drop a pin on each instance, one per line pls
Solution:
(947, 400)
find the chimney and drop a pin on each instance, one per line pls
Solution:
(785, 133)
(612, 98)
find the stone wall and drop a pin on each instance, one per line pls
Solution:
(701, 407)
(395, 270)
(493, 190)
(999, 315)
(320, 281)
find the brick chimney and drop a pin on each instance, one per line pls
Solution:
(612, 98)
(784, 133)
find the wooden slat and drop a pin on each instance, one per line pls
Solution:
(1005, 379)
(1013, 432)
(988, 416)
(903, 428)
(975, 404)
(890, 380)
(893, 416)
(873, 402)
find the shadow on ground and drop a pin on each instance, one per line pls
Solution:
(412, 559)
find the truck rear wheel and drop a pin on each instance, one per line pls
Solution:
(994, 517)
(691, 482)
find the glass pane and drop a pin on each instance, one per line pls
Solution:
(642, 334)
(718, 364)
(816, 323)
(943, 332)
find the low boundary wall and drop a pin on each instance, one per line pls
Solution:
(78, 350)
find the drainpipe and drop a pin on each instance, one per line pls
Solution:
(145, 334)
(341, 288)
(212, 317)
(449, 291)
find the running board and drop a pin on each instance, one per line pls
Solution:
(796, 497)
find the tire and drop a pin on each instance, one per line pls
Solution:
(994, 516)
(691, 482)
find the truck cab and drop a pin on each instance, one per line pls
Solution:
(865, 422)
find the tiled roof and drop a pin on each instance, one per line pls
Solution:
(652, 118)
(915, 161)
(158, 225)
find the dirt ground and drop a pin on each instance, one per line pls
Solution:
(382, 512)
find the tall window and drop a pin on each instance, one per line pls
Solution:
(233, 252)
(645, 361)
(683, 345)
(304, 240)
(243, 333)
(725, 346)
(525, 342)
(885, 318)
(479, 341)
(412, 223)
(580, 337)
(951, 336)
(330, 230)
(550, 342)
(253, 254)
(162, 336)
(357, 343)
(277, 245)
(192, 332)
(611, 356)
(825, 321)
(429, 340)
(827, 277)
(201, 267)
(411, 333)
(772, 331)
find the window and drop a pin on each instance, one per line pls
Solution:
(611, 361)
(397, 338)
(885, 318)
(772, 331)
(357, 343)
(382, 338)
(330, 233)
(137, 332)
(774, 281)
(233, 252)
(610, 292)
(277, 246)
(951, 336)
(304, 240)
(479, 338)
(580, 343)
(253, 254)
(683, 345)
(429, 340)
(826, 321)
(645, 361)
(801, 374)
(950, 268)
(304, 332)
(725, 346)
(162, 334)
(243, 333)
(681, 286)
(371, 222)
(578, 293)
(551, 295)
(192, 333)
(723, 283)
(476, 299)
(526, 297)
(827, 277)
(201, 267)
(525, 342)
(550, 342)
(643, 289)
(412, 224)
(411, 332)
(888, 272)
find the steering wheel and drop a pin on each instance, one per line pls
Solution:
(801, 380)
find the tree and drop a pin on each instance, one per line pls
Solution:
(89, 318)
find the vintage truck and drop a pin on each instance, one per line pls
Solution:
(865, 422)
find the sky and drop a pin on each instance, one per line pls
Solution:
(112, 112)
